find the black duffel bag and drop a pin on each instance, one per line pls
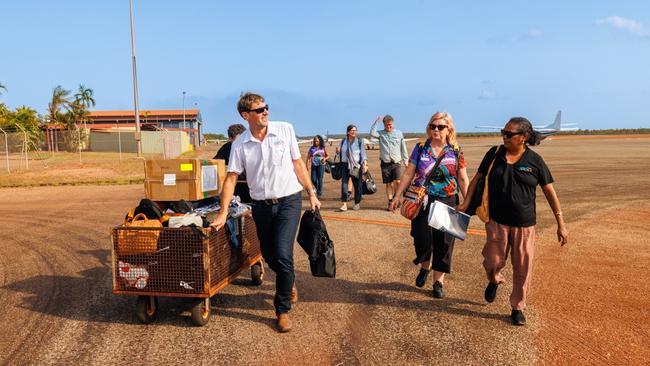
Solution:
(336, 168)
(311, 228)
(324, 265)
(368, 183)
(315, 241)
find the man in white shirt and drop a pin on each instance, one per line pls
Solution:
(276, 175)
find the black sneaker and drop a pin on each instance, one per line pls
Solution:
(518, 317)
(421, 279)
(491, 291)
(438, 291)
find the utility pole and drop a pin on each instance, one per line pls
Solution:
(138, 138)
(184, 125)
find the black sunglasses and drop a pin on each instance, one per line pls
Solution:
(437, 127)
(260, 109)
(509, 134)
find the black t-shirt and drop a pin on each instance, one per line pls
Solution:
(224, 152)
(241, 189)
(511, 187)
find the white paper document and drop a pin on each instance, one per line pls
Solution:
(447, 219)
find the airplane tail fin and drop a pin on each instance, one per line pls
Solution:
(557, 123)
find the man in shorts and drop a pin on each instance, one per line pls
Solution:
(392, 153)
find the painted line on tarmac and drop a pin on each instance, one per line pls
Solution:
(388, 223)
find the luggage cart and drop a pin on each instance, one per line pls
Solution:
(187, 262)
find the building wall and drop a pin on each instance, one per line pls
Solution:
(171, 144)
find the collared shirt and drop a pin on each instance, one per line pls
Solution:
(356, 150)
(392, 147)
(268, 163)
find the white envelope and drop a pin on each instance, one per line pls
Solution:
(447, 219)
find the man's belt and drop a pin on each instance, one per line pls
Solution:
(273, 201)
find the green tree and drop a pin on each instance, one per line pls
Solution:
(28, 119)
(59, 100)
(85, 96)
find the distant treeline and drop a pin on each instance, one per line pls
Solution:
(617, 131)
(214, 136)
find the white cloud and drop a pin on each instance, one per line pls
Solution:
(522, 37)
(488, 95)
(530, 34)
(629, 25)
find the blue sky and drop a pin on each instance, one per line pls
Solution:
(322, 65)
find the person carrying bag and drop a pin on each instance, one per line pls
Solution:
(437, 172)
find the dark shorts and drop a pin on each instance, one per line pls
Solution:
(390, 172)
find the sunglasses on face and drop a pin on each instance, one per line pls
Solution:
(509, 134)
(437, 127)
(260, 109)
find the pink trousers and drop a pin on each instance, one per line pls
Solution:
(519, 242)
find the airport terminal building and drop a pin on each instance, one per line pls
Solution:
(163, 131)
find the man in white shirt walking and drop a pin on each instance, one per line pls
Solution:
(276, 175)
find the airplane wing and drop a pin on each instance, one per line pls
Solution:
(490, 127)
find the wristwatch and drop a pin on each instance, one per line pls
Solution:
(313, 190)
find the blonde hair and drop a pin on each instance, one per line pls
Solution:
(451, 136)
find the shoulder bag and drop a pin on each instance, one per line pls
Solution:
(414, 196)
(479, 203)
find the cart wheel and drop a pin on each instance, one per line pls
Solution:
(257, 274)
(201, 312)
(147, 309)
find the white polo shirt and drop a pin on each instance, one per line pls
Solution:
(268, 163)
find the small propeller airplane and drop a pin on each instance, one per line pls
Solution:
(546, 130)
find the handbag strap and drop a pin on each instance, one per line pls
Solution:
(438, 160)
(492, 162)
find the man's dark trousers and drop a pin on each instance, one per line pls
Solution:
(277, 225)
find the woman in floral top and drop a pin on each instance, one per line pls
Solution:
(316, 158)
(433, 248)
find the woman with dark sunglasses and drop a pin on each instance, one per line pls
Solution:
(433, 248)
(516, 171)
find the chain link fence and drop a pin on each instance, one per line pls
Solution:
(16, 147)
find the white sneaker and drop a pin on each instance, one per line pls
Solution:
(356, 206)
(344, 207)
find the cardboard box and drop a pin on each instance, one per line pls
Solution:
(188, 179)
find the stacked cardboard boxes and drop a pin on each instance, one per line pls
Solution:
(187, 179)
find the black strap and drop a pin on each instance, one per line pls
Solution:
(438, 160)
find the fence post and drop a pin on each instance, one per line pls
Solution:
(119, 140)
(6, 150)
(78, 141)
(25, 146)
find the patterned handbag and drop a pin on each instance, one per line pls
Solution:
(415, 197)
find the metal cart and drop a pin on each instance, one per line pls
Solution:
(186, 262)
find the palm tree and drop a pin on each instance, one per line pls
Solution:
(59, 100)
(2, 87)
(85, 96)
(83, 100)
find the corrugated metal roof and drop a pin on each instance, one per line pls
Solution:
(175, 113)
